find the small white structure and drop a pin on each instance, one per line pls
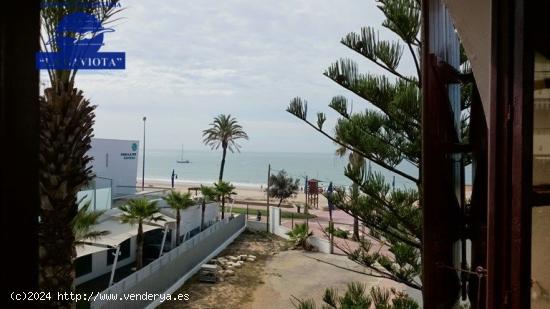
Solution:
(114, 164)
(116, 160)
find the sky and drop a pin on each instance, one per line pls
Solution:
(189, 61)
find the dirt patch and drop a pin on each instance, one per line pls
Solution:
(236, 290)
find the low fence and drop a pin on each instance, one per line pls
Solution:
(168, 273)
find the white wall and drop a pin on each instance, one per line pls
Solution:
(117, 160)
(191, 217)
(256, 226)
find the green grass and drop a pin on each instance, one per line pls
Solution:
(284, 214)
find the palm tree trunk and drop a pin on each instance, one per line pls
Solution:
(224, 153)
(56, 258)
(66, 129)
(139, 251)
(355, 229)
(202, 214)
(223, 206)
(178, 219)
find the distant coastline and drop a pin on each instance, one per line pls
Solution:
(250, 168)
(191, 182)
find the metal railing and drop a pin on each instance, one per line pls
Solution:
(170, 270)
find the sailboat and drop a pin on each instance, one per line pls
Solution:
(182, 160)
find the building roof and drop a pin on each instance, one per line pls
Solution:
(118, 233)
(82, 250)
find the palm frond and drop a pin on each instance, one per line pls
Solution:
(224, 131)
(84, 222)
(139, 210)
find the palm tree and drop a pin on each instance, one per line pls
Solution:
(299, 235)
(178, 201)
(224, 132)
(282, 187)
(224, 190)
(83, 225)
(208, 193)
(136, 212)
(66, 120)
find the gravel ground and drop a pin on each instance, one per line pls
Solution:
(236, 290)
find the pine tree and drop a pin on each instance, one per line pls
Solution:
(386, 135)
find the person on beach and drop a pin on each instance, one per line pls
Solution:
(174, 175)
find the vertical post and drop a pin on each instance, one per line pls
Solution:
(95, 194)
(331, 235)
(305, 206)
(292, 220)
(330, 222)
(247, 212)
(111, 192)
(267, 193)
(143, 168)
(114, 265)
(163, 240)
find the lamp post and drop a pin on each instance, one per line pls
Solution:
(143, 169)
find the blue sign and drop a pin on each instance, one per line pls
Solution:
(78, 38)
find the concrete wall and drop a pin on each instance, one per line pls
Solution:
(168, 273)
(321, 244)
(274, 227)
(191, 217)
(117, 160)
(256, 226)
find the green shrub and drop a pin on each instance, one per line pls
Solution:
(337, 232)
(299, 235)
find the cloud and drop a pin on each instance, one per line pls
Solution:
(188, 61)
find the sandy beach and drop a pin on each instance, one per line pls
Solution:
(245, 194)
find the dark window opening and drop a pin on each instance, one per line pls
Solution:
(83, 265)
(123, 254)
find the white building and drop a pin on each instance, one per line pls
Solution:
(116, 160)
(115, 167)
(114, 164)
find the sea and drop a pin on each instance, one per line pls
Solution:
(251, 168)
